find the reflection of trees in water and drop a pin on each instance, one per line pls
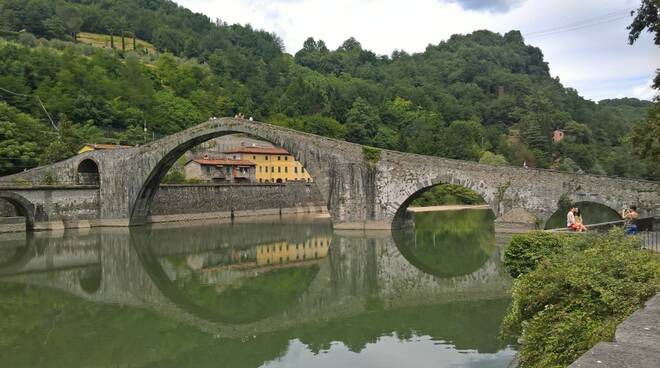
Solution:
(448, 243)
(126, 336)
(251, 299)
(112, 335)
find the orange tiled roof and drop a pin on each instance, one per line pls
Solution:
(259, 150)
(225, 162)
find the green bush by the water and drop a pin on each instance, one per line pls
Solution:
(573, 293)
(525, 251)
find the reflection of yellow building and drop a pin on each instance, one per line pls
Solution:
(285, 252)
(274, 165)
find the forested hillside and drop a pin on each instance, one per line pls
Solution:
(483, 96)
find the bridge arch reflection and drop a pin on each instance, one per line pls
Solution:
(448, 244)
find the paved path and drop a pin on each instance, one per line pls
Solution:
(636, 342)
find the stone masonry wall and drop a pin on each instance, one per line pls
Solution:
(204, 198)
(7, 209)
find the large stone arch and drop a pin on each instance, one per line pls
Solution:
(24, 207)
(163, 155)
(399, 216)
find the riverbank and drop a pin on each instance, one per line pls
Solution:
(452, 207)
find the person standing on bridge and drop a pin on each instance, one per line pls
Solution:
(630, 217)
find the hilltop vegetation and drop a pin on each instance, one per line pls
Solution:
(482, 96)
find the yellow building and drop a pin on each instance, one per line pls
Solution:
(100, 146)
(274, 164)
(285, 252)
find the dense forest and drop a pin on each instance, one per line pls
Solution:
(483, 96)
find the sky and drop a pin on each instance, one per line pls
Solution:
(584, 41)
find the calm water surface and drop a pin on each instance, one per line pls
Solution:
(283, 292)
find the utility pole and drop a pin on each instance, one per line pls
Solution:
(145, 131)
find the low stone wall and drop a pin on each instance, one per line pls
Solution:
(204, 201)
(636, 342)
(12, 224)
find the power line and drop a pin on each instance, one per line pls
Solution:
(576, 28)
(589, 22)
(597, 18)
(38, 100)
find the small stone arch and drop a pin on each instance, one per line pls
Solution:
(401, 218)
(87, 172)
(24, 207)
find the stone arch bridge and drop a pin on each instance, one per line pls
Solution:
(364, 188)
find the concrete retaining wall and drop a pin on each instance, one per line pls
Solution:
(203, 201)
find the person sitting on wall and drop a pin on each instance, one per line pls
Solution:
(570, 220)
(630, 217)
(578, 221)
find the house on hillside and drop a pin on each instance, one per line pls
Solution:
(220, 171)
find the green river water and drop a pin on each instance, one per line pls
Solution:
(266, 292)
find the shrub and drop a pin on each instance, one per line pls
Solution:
(525, 251)
(371, 154)
(576, 297)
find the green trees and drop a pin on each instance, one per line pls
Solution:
(21, 140)
(467, 98)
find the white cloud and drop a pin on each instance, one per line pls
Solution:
(644, 91)
(583, 57)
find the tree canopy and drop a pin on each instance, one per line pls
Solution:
(480, 95)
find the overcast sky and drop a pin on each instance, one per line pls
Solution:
(585, 41)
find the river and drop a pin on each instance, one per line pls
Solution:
(260, 292)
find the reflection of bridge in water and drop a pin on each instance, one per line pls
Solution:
(130, 267)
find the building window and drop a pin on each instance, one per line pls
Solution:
(279, 158)
(272, 169)
(286, 169)
(302, 170)
(254, 157)
(279, 169)
(286, 158)
(295, 170)
(266, 158)
(261, 180)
